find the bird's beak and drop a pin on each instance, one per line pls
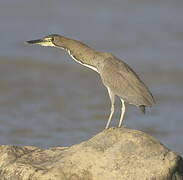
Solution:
(42, 42)
(37, 41)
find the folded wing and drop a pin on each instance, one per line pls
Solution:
(125, 83)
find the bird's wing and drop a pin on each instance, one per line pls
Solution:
(125, 83)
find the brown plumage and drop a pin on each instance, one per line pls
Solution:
(119, 79)
(125, 83)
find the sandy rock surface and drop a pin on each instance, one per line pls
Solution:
(114, 154)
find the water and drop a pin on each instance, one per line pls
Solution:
(46, 99)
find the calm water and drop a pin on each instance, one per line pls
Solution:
(46, 99)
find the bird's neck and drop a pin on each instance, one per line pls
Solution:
(83, 54)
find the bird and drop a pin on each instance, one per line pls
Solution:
(116, 75)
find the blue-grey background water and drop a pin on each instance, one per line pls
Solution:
(46, 99)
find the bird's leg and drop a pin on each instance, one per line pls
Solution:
(122, 112)
(112, 98)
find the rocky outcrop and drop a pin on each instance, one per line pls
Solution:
(114, 154)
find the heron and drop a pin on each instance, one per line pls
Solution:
(116, 75)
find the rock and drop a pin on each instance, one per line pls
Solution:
(114, 154)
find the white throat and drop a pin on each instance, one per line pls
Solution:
(47, 43)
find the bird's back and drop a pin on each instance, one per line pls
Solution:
(125, 83)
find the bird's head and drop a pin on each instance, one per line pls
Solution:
(46, 41)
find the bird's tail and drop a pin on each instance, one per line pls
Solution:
(142, 109)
